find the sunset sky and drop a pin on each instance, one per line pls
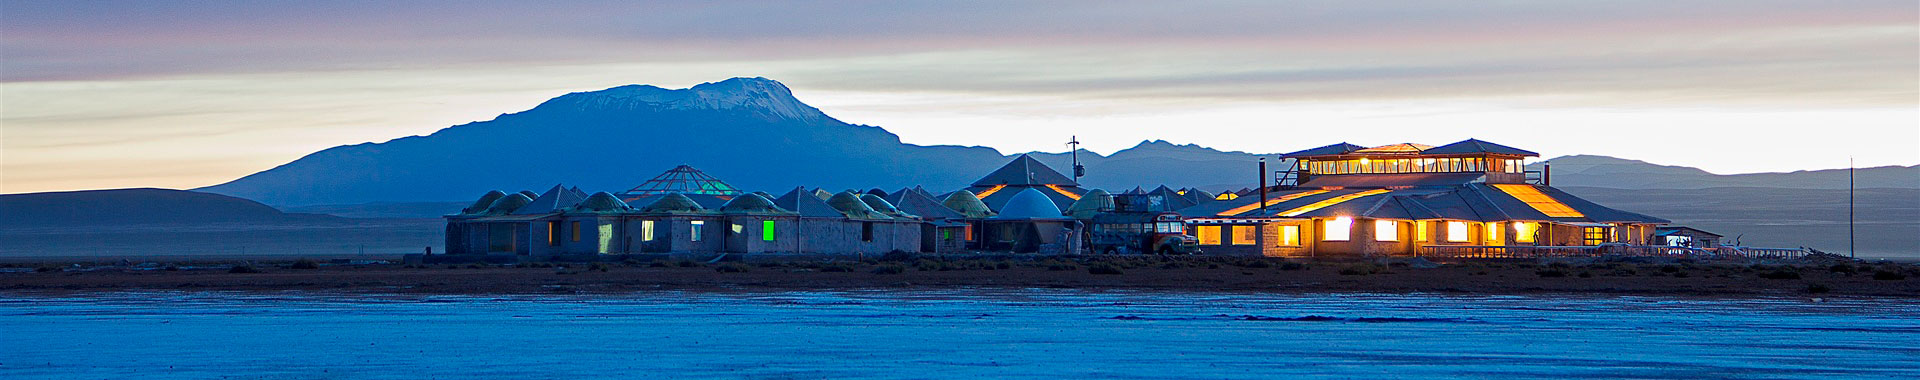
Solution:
(109, 94)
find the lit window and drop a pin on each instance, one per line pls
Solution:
(697, 227)
(1209, 235)
(1386, 230)
(1523, 231)
(1457, 232)
(1245, 235)
(1420, 232)
(1493, 233)
(766, 231)
(1338, 229)
(605, 236)
(1289, 236)
(738, 229)
(553, 232)
(1596, 235)
(646, 230)
(576, 230)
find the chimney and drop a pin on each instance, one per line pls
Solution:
(1546, 174)
(1263, 185)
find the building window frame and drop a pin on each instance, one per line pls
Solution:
(1337, 229)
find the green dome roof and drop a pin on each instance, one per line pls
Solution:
(853, 207)
(673, 202)
(968, 205)
(484, 202)
(1093, 202)
(884, 207)
(751, 203)
(506, 205)
(601, 202)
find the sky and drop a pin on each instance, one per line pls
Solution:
(114, 94)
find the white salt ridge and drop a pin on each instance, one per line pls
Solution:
(761, 95)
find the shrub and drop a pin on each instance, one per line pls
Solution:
(1553, 273)
(243, 268)
(1585, 274)
(1103, 268)
(733, 268)
(890, 269)
(1259, 263)
(305, 264)
(658, 264)
(603, 267)
(1781, 274)
(1818, 288)
(171, 268)
(838, 267)
(1669, 268)
(47, 268)
(1058, 266)
(1292, 266)
(1003, 264)
(898, 256)
(1887, 275)
(1359, 270)
(1842, 268)
(689, 264)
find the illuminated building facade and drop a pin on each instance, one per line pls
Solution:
(1462, 199)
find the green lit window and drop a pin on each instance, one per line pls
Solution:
(766, 230)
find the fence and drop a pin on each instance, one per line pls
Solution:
(1541, 251)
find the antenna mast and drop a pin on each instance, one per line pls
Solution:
(1078, 171)
(1850, 206)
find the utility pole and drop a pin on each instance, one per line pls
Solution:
(1263, 186)
(1850, 206)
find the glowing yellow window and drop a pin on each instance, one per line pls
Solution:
(1523, 231)
(1386, 230)
(1245, 235)
(646, 230)
(1420, 232)
(1493, 233)
(1289, 236)
(1457, 232)
(1209, 235)
(1337, 229)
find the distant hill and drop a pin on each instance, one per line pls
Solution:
(1603, 171)
(1888, 220)
(750, 132)
(123, 207)
(753, 133)
(138, 223)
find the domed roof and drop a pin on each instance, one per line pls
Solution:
(1092, 203)
(884, 207)
(1029, 204)
(673, 202)
(751, 203)
(601, 202)
(853, 207)
(968, 205)
(484, 202)
(506, 204)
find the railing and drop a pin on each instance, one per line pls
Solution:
(1543, 251)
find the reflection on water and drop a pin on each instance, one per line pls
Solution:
(951, 333)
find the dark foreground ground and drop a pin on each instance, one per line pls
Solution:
(1188, 274)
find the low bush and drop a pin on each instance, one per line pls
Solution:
(1669, 268)
(243, 268)
(733, 268)
(1292, 266)
(603, 267)
(688, 264)
(1104, 268)
(1818, 288)
(47, 268)
(1551, 273)
(1781, 274)
(890, 269)
(658, 264)
(1059, 266)
(1842, 268)
(1585, 274)
(305, 264)
(1887, 275)
(1003, 264)
(836, 267)
(1259, 263)
(1359, 270)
